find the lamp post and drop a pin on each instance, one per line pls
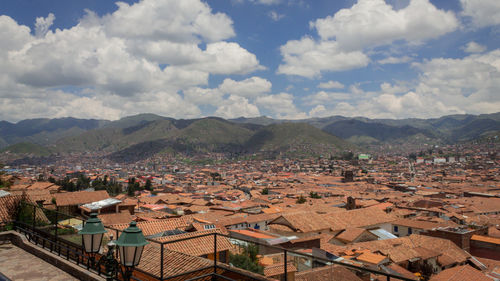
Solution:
(92, 234)
(130, 246)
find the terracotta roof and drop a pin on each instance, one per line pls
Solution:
(327, 273)
(461, 273)
(371, 258)
(350, 234)
(157, 226)
(197, 246)
(357, 218)
(302, 221)
(116, 218)
(492, 240)
(7, 204)
(173, 262)
(419, 224)
(278, 269)
(79, 197)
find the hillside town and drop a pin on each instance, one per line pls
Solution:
(426, 216)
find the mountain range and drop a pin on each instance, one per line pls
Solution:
(136, 137)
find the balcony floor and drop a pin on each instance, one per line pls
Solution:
(17, 264)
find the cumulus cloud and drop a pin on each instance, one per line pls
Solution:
(178, 21)
(42, 25)
(371, 23)
(275, 16)
(281, 105)
(482, 12)
(250, 87)
(236, 106)
(395, 60)
(146, 52)
(307, 57)
(367, 24)
(322, 98)
(473, 47)
(331, 85)
(445, 86)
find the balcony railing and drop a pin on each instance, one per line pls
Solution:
(51, 230)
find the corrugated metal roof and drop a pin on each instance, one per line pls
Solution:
(382, 234)
(4, 193)
(102, 204)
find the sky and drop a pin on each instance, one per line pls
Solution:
(286, 59)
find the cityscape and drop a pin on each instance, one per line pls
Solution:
(353, 140)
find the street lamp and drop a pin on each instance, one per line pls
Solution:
(130, 246)
(92, 234)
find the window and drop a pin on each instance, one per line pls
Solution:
(409, 230)
(396, 228)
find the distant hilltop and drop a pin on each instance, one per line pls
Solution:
(144, 135)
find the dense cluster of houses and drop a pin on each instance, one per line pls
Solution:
(415, 219)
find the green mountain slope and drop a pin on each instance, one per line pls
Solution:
(27, 148)
(292, 135)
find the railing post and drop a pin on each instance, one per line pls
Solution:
(286, 263)
(161, 265)
(33, 219)
(214, 277)
(56, 228)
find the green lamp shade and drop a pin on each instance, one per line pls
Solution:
(92, 234)
(131, 244)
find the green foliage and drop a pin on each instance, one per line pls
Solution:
(301, 200)
(51, 179)
(265, 191)
(412, 156)
(314, 195)
(132, 187)
(248, 259)
(28, 148)
(112, 187)
(148, 185)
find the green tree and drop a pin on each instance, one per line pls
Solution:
(301, 200)
(148, 185)
(412, 156)
(247, 259)
(265, 191)
(131, 187)
(314, 195)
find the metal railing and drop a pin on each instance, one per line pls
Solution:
(42, 227)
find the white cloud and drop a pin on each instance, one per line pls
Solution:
(387, 88)
(322, 98)
(367, 24)
(473, 47)
(202, 96)
(371, 23)
(445, 86)
(42, 25)
(236, 106)
(275, 16)
(482, 12)
(250, 87)
(331, 85)
(309, 58)
(178, 21)
(280, 106)
(141, 55)
(319, 111)
(395, 60)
